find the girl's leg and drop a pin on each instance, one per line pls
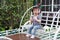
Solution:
(34, 30)
(29, 31)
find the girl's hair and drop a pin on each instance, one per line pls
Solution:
(36, 8)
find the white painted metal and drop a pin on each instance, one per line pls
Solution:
(56, 33)
(5, 38)
(52, 5)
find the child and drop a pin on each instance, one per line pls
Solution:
(35, 19)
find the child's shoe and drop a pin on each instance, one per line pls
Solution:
(27, 35)
(32, 36)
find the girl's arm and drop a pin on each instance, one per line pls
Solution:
(38, 20)
(31, 20)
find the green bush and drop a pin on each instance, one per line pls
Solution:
(11, 12)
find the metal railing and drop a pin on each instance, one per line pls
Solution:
(9, 32)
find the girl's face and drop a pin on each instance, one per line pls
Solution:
(36, 11)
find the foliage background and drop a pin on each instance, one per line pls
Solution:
(11, 12)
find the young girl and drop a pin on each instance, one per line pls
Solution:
(35, 19)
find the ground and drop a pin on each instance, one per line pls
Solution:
(21, 37)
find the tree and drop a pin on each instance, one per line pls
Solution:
(11, 12)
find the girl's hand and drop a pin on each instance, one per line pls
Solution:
(35, 18)
(31, 19)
